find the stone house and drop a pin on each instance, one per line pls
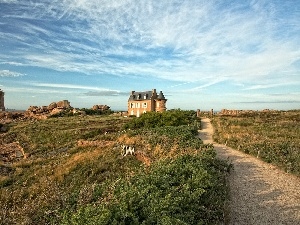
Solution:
(147, 101)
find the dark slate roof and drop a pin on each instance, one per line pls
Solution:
(161, 96)
(145, 95)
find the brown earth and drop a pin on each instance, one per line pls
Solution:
(259, 192)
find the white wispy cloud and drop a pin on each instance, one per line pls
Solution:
(8, 73)
(71, 88)
(91, 91)
(8, 1)
(176, 40)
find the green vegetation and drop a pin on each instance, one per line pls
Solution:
(169, 118)
(272, 136)
(186, 190)
(69, 112)
(75, 173)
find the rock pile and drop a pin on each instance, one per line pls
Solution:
(7, 117)
(101, 107)
(42, 112)
(230, 112)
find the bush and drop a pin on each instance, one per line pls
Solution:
(168, 118)
(96, 112)
(186, 190)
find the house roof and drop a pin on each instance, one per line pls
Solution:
(145, 95)
(161, 96)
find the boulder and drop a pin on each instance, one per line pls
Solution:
(64, 104)
(101, 107)
(95, 107)
(52, 106)
(12, 151)
(56, 111)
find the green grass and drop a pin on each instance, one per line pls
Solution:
(64, 182)
(272, 136)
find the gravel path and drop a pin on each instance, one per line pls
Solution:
(260, 193)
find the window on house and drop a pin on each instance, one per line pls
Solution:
(138, 105)
(157, 104)
(145, 105)
(131, 105)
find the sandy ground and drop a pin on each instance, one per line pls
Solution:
(260, 193)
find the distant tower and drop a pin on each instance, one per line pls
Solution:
(2, 108)
(198, 113)
(161, 102)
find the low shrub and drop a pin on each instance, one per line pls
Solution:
(168, 118)
(187, 190)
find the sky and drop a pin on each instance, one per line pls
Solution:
(203, 54)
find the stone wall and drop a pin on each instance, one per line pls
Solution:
(234, 112)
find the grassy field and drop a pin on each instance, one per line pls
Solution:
(75, 173)
(272, 136)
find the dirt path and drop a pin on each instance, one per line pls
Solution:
(260, 193)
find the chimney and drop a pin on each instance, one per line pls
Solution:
(132, 92)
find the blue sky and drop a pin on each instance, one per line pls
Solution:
(202, 54)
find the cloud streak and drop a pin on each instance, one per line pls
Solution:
(8, 73)
(72, 86)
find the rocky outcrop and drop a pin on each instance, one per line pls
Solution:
(101, 107)
(64, 104)
(11, 152)
(8, 117)
(230, 112)
(43, 112)
(52, 106)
